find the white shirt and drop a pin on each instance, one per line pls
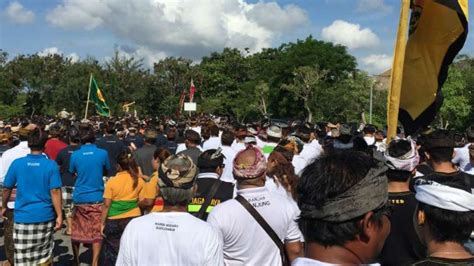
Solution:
(19, 151)
(229, 154)
(299, 163)
(462, 156)
(169, 238)
(469, 169)
(310, 262)
(182, 147)
(311, 151)
(211, 143)
(238, 146)
(245, 241)
(197, 129)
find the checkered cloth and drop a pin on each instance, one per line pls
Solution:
(67, 200)
(34, 243)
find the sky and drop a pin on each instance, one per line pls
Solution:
(155, 29)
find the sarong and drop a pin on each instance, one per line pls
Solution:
(86, 223)
(34, 243)
(8, 236)
(113, 232)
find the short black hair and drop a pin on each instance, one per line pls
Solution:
(207, 164)
(214, 130)
(331, 175)
(192, 136)
(441, 155)
(398, 148)
(445, 225)
(227, 138)
(37, 140)
(87, 135)
(74, 135)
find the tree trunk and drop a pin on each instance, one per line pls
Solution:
(310, 115)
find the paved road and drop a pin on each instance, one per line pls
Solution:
(62, 250)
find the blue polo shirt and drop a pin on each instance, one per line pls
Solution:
(34, 176)
(89, 163)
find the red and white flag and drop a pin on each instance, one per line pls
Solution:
(192, 90)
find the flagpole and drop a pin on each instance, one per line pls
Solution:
(88, 97)
(393, 101)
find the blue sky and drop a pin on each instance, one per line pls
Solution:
(154, 29)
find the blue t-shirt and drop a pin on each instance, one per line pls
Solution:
(34, 176)
(89, 163)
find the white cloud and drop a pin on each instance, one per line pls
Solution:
(379, 6)
(149, 56)
(350, 35)
(377, 63)
(50, 51)
(16, 13)
(55, 50)
(181, 27)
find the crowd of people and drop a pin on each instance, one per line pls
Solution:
(210, 191)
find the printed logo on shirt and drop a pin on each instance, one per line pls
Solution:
(200, 201)
(88, 153)
(397, 201)
(166, 227)
(33, 164)
(259, 201)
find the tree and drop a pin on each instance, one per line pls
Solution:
(307, 82)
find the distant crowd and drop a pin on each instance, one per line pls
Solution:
(207, 190)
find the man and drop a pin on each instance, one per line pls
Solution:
(37, 205)
(369, 134)
(173, 236)
(227, 138)
(462, 154)
(54, 144)
(4, 139)
(192, 148)
(445, 220)
(211, 190)
(273, 137)
(239, 229)
(311, 148)
(343, 200)
(469, 169)
(193, 125)
(240, 133)
(144, 155)
(18, 151)
(134, 138)
(89, 164)
(171, 144)
(403, 246)
(67, 179)
(439, 152)
(113, 145)
(214, 141)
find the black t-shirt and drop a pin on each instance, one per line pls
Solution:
(223, 193)
(63, 158)
(171, 146)
(403, 245)
(136, 140)
(3, 148)
(114, 146)
(431, 261)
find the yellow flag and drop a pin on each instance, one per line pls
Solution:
(438, 31)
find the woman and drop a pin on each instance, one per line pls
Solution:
(121, 204)
(281, 176)
(152, 190)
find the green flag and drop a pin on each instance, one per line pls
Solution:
(96, 96)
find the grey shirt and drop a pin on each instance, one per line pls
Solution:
(193, 153)
(144, 158)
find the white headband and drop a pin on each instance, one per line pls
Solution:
(444, 197)
(406, 162)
